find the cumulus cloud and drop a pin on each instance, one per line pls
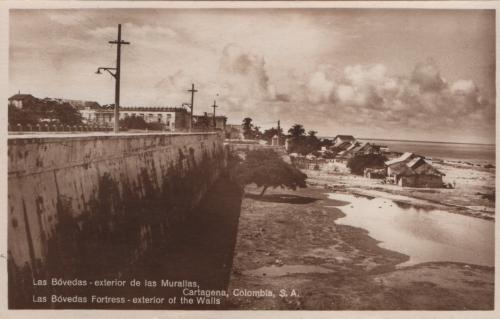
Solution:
(248, 71)
(427, 77)
(320, 88)
(421, 99)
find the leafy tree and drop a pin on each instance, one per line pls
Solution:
(358, 163)
(155, 126)
(312, 143)
(138, 123)
(257, 134)
(33, 113)
(203, 123)
(296, 131)
(266, 169)
(22, 116)
(133, 122)
(248, 131)
(270, 133)
(312, 134)
(66, 114)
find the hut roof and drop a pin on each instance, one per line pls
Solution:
(417, 166)
(403, 158)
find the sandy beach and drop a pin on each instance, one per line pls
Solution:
(290, 241)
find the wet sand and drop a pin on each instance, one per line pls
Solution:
(292, 242)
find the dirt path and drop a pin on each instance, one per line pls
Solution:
(288, 243)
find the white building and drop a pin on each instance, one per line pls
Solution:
(172, 118)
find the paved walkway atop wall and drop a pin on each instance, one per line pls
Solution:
(94, 134)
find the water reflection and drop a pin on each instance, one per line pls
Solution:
(423, 234)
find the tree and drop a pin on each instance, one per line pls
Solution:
(270, 133)
(265, 168)
(358, 163)
(203, 122)
(22, 116)
(248, 128)
(53, 111)
(312, 143)
(133, 122)
(257, 134)
(296, 131)
(66, 114)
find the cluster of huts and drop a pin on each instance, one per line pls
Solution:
(406, 170)
(346, 147)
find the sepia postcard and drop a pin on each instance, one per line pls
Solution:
(306, 157)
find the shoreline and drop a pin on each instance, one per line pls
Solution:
(354, 272)
(473, 195)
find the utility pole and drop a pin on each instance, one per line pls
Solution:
(116, 75)
(279, 132)
(214, 106)
(193, 91)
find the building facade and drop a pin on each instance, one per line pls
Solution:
(171, 118)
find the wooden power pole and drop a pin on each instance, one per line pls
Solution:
(193, 91)
(279, 132)
(116, 75)
(118, 43)
(214, 106)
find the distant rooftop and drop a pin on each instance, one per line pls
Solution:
(406, 156)
(20, 96)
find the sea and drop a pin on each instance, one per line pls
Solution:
(465, 152)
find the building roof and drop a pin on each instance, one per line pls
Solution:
(78, 104)
(345, 137)
(401, 169)
(21, 97)
(353, 145)
(415, 162)
(151, 109)
(403, 158)
(343, 145)
(358, 147)
(422, 167)
(416, 166)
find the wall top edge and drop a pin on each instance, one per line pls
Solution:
(23, 138)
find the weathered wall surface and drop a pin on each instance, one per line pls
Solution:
(92, 205)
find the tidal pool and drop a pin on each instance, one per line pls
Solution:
(422, 234)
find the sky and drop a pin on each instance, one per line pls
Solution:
(373, 73)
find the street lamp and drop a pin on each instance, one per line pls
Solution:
(106, 69)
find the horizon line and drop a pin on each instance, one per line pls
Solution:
(421, 141)
(436, 142)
